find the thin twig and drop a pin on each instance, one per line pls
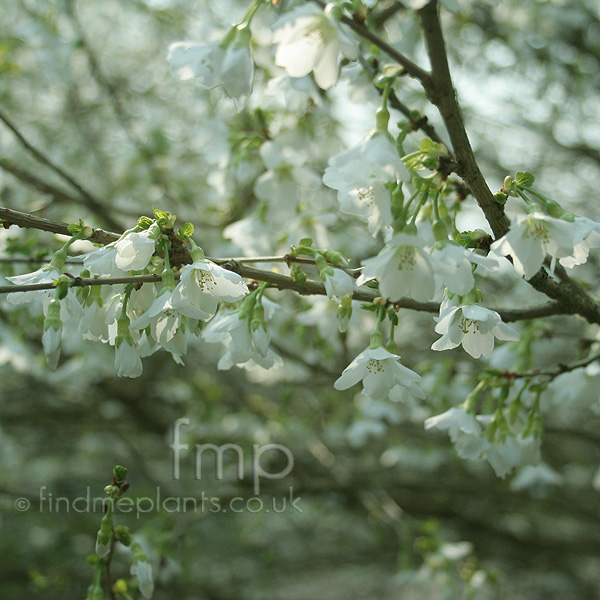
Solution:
(410, 67)
(553, 373)
(422, 124)
(284, 282)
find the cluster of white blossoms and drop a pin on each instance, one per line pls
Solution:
(534, 236)
(418, 258)
(138, 321)
(309, 40)
(494, 438)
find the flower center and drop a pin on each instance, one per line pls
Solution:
(468, 326)
(538, 231)
(406, 257)
(374, 366)
(367, 196)
(316, 36)
(206, 281)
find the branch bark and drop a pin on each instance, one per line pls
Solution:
(14, 217)
(440, 91)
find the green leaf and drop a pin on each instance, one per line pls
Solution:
(298, 275)
(427, 145)
(185, 231)
(524, 178)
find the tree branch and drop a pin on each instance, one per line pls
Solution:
(553, 373)
(14, 217)
(440, 91)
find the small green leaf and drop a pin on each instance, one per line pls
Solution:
(145, 222)
(500, 198)
(298, 275)
(120, 473)
(524, 178)
(427, 145)
(185, 231)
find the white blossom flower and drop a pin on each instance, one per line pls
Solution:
(532, 237)
(134, 250)
(464, 430)
(339, 284)
(202, 286)
(143, 571)
(586, 238)
(403, 268)
(243, 343)
(536, 477)
(43, 275)
(169, 328)
(504, 456)
(311, 40)
(293, 93)
(252, 235)
(226, 63)
(453, 266)
(92, 325)
(379, 371)
(287, 182)
(471, 325)
(360, 174)
(102, 262)
(160, 307)
(51, 341)
(127, 360)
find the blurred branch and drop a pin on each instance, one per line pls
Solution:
(116, 102)
(387, 13)
(37, 183)
(559, 370)
(87, 198)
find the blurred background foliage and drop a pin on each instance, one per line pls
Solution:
(387, 509)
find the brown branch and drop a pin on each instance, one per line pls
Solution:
(282, 282)
(441, 92)
(14, 217)
(88, 199)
